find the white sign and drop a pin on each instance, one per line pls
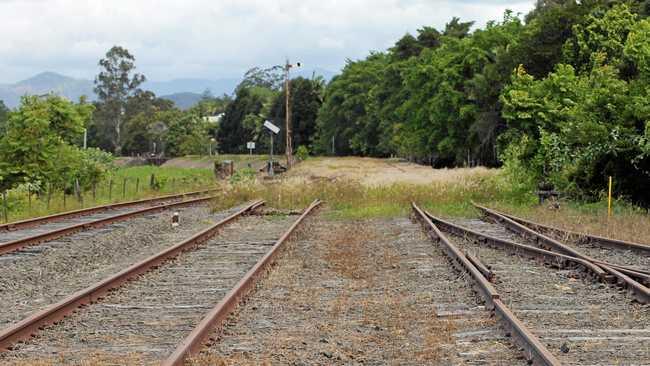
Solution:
(250, 145)
(275, 129)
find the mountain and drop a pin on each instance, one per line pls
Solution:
(182, 91)
(43, 83)
(183, 100)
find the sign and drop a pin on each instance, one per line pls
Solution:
(275, 129)
(250, 145)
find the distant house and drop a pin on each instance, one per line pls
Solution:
(213, 119)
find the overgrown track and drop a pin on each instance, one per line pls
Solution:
(31, 232)
(632, 278)
(581, 322)
(144, 320)
(581, 238)
(55, 312)
(534, 350)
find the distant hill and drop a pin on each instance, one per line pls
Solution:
(184, 92)
(183, 100)
(43, 83)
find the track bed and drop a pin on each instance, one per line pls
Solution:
(581, 322)
(142, 322)
(37, 276)
(366, 292)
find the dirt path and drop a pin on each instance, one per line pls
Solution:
(366, 292)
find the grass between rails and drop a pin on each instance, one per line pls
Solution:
(124, 184)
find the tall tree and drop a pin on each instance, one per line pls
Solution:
(114, 85)
(4, 115)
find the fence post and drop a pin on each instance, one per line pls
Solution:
(124, 188)
(152, 182)
(77, 188)
(49, 195)
(5, 209)
(137, 186)
(29, 198)
(110, 190)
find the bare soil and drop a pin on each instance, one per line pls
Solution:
(372, 171)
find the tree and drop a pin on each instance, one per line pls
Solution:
(38, 144)
(305, 101)
(113, 86)
(4, 115)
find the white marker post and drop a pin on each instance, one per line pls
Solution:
(250, 145)
(273, 129)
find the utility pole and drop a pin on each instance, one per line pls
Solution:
(287, 92)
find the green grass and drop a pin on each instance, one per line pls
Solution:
(124, 184)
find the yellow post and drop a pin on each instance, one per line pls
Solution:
(609, 198)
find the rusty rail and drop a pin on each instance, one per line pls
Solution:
(581, 237)
(534, 351)
(215, 318)
(637, 289)
(551, 258)
(91, 210)
(17, 244)
(485, 271)
(25, 328)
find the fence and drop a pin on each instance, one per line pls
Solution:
(27, 202)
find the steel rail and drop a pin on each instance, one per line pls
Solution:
(535, 352)
(213, 320)
(550, 258)
(25, 328)
(12, 246)
(91, 210)
(581, 237)
(485, 271)
(639, 291)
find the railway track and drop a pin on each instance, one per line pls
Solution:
(633, 278)
(146, 317)
(580, 321)
(18, 235)
(371, 292)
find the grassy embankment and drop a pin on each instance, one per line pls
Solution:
(123, 184)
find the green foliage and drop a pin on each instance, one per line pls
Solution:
(4, 116)
(113, 86)
(37, 146)
(302, 153)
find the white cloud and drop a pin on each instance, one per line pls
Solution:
(214, 38)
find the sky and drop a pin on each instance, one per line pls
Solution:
(215, 38)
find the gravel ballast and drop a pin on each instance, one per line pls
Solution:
(581, 321)
(37, 276)
(371, 292)
(142, 322)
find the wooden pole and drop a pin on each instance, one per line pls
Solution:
(137, 185)
(124, 188)
(5, 209)
(29, 199)
(110, 189)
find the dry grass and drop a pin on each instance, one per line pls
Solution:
(627, 224)
(377, 172)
